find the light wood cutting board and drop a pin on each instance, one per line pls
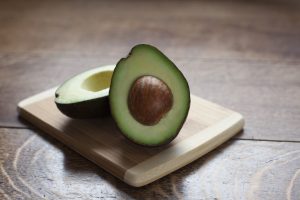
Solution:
(207, 126)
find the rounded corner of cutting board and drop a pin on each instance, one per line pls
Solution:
(35, 98)
(20, 105)
(133, 180)
(141, 175)
(240, 120)
(138, 176)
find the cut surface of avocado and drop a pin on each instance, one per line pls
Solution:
(86, 94)
(149, 97)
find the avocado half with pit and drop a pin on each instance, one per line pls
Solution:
(86, 94)
(149, 97)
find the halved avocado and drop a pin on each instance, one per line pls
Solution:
(86, 94)
(149, 97)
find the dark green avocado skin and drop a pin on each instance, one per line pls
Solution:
(94, 108)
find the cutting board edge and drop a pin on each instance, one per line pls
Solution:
(35, 98)
(132, 175)
(191, 150)
(43, 126)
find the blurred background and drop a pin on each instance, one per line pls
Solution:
(244, 55)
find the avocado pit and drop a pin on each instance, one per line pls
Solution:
(149, 100)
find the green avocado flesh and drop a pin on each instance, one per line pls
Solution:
(146, 60)
(86, 94)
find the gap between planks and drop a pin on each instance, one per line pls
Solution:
(245, 139)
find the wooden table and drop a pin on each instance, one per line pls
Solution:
(244, 55)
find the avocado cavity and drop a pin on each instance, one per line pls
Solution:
(86, 94)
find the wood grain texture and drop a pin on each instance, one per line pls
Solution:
(35, 166)
(260, 90)
(218, 29)
(243, 55)
(240, 54)
(207, 126)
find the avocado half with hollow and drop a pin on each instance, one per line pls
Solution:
(86, 94)
(149, 97)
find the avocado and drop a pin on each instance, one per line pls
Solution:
(149, 97)
(86, 94)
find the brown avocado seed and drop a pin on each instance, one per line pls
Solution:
(149, 100)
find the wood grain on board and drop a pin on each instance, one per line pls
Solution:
(207, 126)
(36, 166)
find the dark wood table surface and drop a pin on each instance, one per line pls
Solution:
(244, 55)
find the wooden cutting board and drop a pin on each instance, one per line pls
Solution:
(207, 126)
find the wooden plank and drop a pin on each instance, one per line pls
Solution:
(35, 166)
(266, 93)
(214, 29)
(241, 54)
(240, 85)
(229, 51)
(207, 126)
